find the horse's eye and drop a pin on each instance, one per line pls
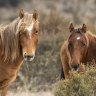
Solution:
(70, 45)
(36, 32)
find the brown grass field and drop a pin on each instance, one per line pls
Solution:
(48, 93)
(39, 77)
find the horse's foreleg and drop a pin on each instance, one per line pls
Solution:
(66, 71)
(4, 91)
(65, 66)
(64, 60)
(62, 74)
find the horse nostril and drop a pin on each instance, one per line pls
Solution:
(29, 57)
(75, 66)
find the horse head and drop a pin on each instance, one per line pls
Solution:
(28, 34)
(77, 45)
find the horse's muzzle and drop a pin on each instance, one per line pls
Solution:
(75, 66)
(29, 58)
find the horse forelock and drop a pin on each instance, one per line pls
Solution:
(85, 35)
(76, 31)
(27, 20)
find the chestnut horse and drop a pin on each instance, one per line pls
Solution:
(18, 43)
(79, 49)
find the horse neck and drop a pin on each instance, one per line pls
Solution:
(91, 40)
(91, 50)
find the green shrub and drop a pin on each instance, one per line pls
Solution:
(78, 85)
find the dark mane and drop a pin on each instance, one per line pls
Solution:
(77, 30)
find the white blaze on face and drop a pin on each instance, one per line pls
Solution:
(30, 28)
(78, 38)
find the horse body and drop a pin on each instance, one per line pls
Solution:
(17, 43)
(79, 49)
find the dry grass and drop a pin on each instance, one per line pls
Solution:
(48, 93)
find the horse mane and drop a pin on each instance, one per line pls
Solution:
(90, 34)
(10, 41)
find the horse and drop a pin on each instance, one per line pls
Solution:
(18, 43)
(77, 51)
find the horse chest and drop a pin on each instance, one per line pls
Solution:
(8, 73)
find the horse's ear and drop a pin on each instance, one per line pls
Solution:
(35, 15)
(21, 13)
(84, 28)
(71, 27)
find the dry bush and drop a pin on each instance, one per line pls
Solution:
(53, 23)
(78, 85)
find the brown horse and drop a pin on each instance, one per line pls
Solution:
(79, 49)
(18, 42)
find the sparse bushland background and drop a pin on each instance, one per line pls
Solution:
(54, 17)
